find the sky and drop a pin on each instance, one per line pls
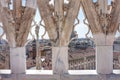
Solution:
(81, 28)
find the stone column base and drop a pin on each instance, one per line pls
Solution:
(60, 60)
(18, 60)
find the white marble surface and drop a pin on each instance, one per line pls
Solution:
(104, 59)
(40, 72)
(60, 59)
(5, 71)
(50, 72)
(18, 60)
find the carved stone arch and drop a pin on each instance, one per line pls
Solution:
(59, 28)
(82, 22)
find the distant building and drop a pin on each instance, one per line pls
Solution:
(4, 55)
(116, 45)
(81, 43)
(4, 46)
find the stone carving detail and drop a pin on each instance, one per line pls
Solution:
(58, 15)
(17, 21)
(104, 18)
(88, 27)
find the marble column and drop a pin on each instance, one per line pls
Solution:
(60, 60)
(104, 53)
(18, 60)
